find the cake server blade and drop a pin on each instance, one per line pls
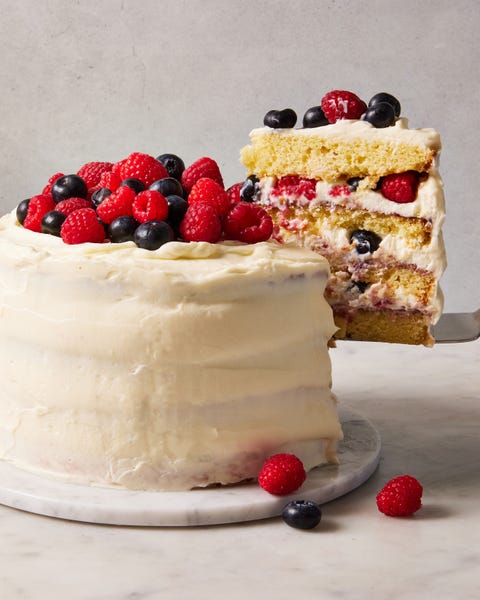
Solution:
(457, 327)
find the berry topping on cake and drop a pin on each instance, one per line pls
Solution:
(203, 167)
(69, 186)
(400, 187)
(177, 207)
(53, 221)
(280, 119)
(22, 210)
(141, 166)
(341, 104)
(174, 165)
(315, 117)
(153, 234)
(295, 186)
(149, 206)
(233, 192)
(71, 204)
(82, 226)
(48, 188)
(353, 183)
(248, 223)
(167, 187)
(122, 229)
(38, 207)
(401, 497)
(209, 191)
(365, 241)
(118, 204)
(110, 180)
(302, 514)
(201, 223)
(282, 474)
(249, 188)
(99, 196)
(92, 171)
(136, 185)
(389, 99)
(381, 115)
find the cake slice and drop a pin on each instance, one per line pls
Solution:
(363, 190)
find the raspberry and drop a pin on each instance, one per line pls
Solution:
(340, 104)
(71, 204)
(203, 167)
(38, 207)
(150, 205)
(400, 187)
(118, 204)
(201, 223)
(209, 191)
(401, 497)
(109, 180)
(92, 171)
(48, 188)
(282, 474)
(141, 166)
(233, 193)
(248, 223)
(82, 226)
(293, 185)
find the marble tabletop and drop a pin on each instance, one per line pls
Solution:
(426, 405)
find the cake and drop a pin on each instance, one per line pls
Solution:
(358, 186)
(169, 368)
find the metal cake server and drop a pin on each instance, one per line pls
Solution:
(457, 327)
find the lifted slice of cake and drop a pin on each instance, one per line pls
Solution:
(366, 194)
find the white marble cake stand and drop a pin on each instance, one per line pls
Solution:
(359, 454)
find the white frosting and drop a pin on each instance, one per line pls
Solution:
(161, 370)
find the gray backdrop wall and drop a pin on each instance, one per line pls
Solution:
(95, 80)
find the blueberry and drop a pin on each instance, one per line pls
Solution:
(353, 183)
(153, 234)
(69, 186)
(361, 286)
(122, 229)
(365, 241)
(280, 119)
(174, 165)
(177, 207)
(389, 99)
(52, 222)
(249, 188)
(99, 196)
(135, 184)
(381, 115)
(315, 117)
(302, 514)
(168, 186)
(22, 210)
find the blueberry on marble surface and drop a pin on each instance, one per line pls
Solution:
(365, 241)
(69, 186)
(280, 119)
(302, 514)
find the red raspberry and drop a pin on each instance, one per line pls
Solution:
(150, 205)
(233, 193)
(48, 188)
(141, 166)
(340, 104)
(71, 204)
(109, 180)
(401, 497)
(248, 223)
(209, 191)
(293, 185)
(92, 171)
(282, 474)
(400, 187)
(203, 167)
(201, 223)
(82, 226)
(118, 204)
(38, 207)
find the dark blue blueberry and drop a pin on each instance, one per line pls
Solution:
(361, 286)
(173, 163)
(353, 183)
(381, 115)
(135, 184)
(22, 210)
(389, 99)
(315, 117)
(69, 186)
(122, 229)
(168, 186)
(280, 119)
(249, 188)
(365, 241)
(153, 234)
(52, 222)
(99, 196)
(302, 514)
(177, 207)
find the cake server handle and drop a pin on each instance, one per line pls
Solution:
(457, 327)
